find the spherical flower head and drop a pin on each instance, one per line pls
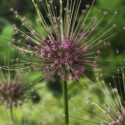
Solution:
(104, 102)
(15, 89)
(63, 57)
(13, 93)
(116, 116)
(112, 110)
(119, 118)
(71, 45)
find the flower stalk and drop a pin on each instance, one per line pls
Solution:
(11, 113)
(65, 96)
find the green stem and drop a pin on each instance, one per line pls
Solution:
(65, 95)
(11, 113)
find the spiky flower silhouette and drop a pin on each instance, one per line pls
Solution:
(13, 93)
(109, 108)
(71, 42)
(15, 88)
(114, 108)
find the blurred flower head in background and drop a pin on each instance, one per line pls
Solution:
(113, 109)
(71, 43)
(110, 109)
(15, 89)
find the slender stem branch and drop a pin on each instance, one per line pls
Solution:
(65, 95)
(11, 113)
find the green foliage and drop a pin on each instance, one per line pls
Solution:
(48, 111)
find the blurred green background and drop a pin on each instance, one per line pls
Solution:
(48, 109)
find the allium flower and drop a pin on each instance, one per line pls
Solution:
(12, 93)
(14, 88)
(110, 108)
(114, 110)
(71, 42)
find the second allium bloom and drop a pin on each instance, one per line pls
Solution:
(15, 88)
(70, 44)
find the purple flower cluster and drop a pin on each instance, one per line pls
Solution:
(63, 57)
(15, 91)
(70, 45)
